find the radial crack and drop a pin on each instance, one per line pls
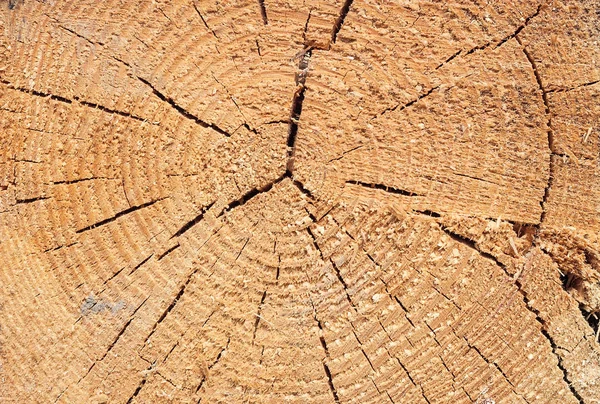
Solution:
(217, 359)
(527, 304)
(31, 200)
(77, 100)
(257, 321)
(168, 251)
(142, 383)
(135, 268)
(491, 43)
(249, 195)
(382, 187)
(400, 107)
(567, 89)
(296, 109)
(182, 111)
(551, 168)
(332, 388)
(340, 20)
(119, 214)
(412, 380)
(77, 34)
(111, 346)
(498, 368)
(203, 20)
(342, 281)
(192, 222)
(263, 11)
(68, 182)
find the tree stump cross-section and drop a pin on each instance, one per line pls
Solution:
(288, 201)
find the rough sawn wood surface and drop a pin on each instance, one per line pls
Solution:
(299, 201)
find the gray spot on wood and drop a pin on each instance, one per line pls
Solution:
(92, 305)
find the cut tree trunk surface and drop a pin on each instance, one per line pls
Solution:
(299, 201)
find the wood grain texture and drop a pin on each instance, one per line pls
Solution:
(287, 201)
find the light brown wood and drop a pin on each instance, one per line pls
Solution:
(290, 201)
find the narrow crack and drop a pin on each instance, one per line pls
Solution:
(232, 98)
(427, 212)
(77, 34)
(400, 107)
(382, 187)
(476, 178)
(472, 245)
(397, 300)
(564, 90)
(242, 249)
(203, 20)
(188, 225)
(496, 45)
(60, 246)
(27, 160)
(521, 27)
(177, 297)
(341, 279)
(111, 346)
(306, 26)
(314, 242)
(31, 200)
(249, 195)
(449, 59)
(528, 306)
(364, 353)
(112, 111)
(263, 11)
(119, 214)
(114, 275)
(296, 110)
(168, 251)
(332, 388)
(77, 100)
(260, 55)
(171, 305)
(418, 386)
(340, 20)
(142, 383)
(551, 163)
(217, 359)
(135, 268)
(166, 378)
(182, 111)
(257, 321)
(498, 368)
(69, 182)
(346, 152)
